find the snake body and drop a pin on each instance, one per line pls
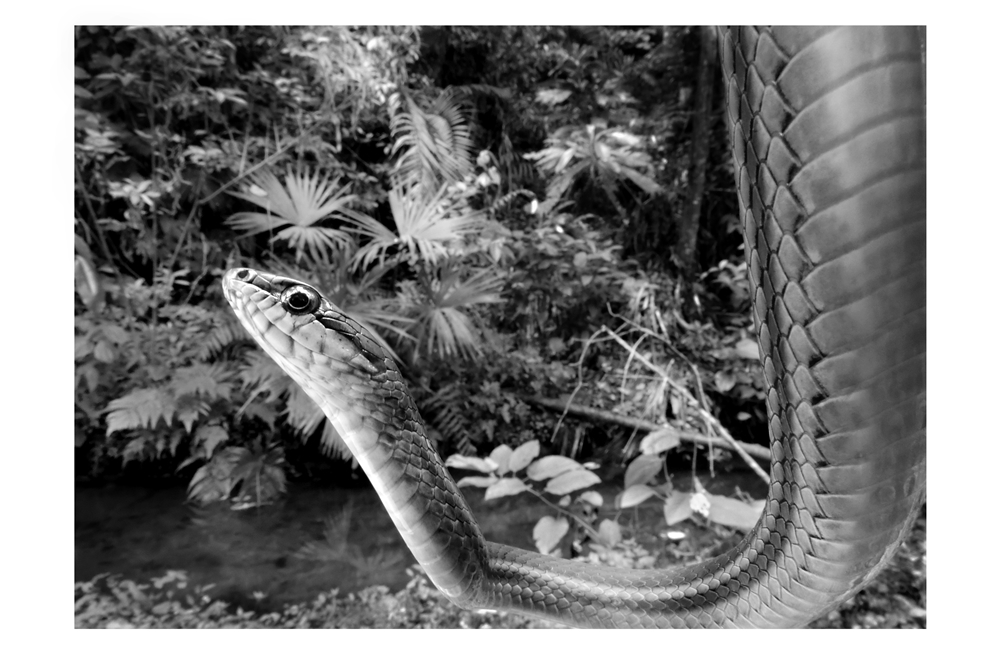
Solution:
(827, 128)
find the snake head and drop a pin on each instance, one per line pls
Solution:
(294, 320)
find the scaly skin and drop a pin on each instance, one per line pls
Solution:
(828, 142)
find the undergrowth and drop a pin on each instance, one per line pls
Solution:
(896, 599)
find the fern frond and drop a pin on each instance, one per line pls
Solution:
(209, 380)
(262, 376)
(305, 416)
(333, 445)
(433, 146)
(140, 408)
(218, 338)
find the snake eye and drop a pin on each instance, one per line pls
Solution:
(300, 299)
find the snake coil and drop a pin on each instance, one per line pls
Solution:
(827, 127)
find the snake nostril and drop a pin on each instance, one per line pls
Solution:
(242, 274)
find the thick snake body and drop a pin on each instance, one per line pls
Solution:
(828, 144)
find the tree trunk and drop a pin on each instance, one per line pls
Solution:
(687, 245)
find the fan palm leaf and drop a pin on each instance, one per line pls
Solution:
(443, 325)
(423, 228)
(293, 209)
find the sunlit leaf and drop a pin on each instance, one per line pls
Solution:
(104, 352)
(470, 463)
(547, 533)
(478, 481)
(505, 487)
(724, 381)
(734, 513)
(677, 508)
(571, 481)
(501, 455)
(642, 469)
(659, 441)
(551, 466)
(552, 96)
(523, 455)
(609, 533)
(633, 496)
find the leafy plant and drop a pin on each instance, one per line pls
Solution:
(565, 277)
(294, 209)
(241, 475)
(605, 157)
(440, 303)
(562, 476)
(433, 146)
(679, 506)
(427, 226)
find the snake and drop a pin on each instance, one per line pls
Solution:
(827, 130)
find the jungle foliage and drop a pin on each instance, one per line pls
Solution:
(485, 200)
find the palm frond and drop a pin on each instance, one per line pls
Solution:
(442, 327)
(482, 288)
(293, 209)
(423, 227)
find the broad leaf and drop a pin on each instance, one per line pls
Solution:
(659, 441)
(734, 513)
(505, 487)
(547, 533)
(523, 455)
(501, 456)
(642, 469)
(572, 481)
(551, 466)
(677, 508)
(747, 349)
(633, 496)
(471, 463)
(478, 481)
(609, 533)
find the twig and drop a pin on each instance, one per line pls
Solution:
(641, 424)
(702, 412)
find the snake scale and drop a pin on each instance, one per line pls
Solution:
(828, 139)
